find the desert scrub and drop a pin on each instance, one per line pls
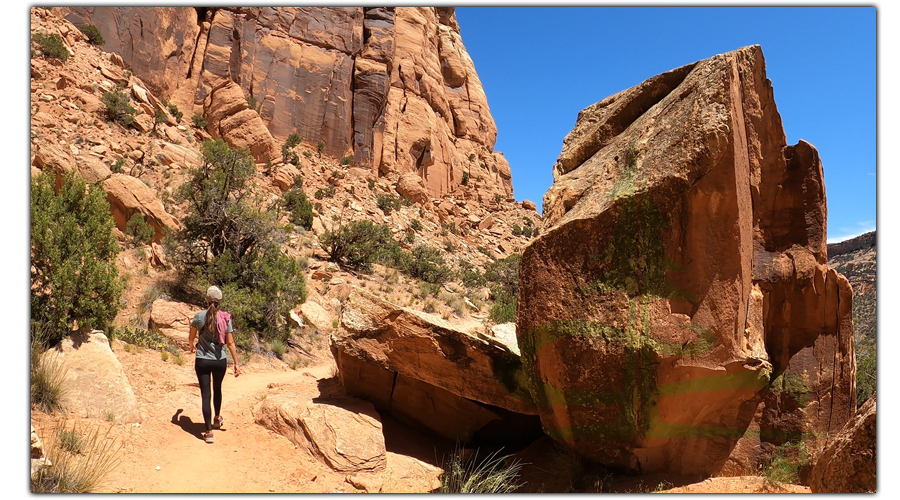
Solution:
(388, 203)
(139, 230)
(119, 108)
(493, 474)
(93, 34)
(82, 470)
(51, 45)
(48, 375)
(356, 245)
(199, 120)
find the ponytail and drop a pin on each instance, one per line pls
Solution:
(211, 313)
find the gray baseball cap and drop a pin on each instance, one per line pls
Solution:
(213, 293)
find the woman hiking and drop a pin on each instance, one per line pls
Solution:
(215, 331)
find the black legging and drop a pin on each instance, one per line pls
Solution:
(205, 368)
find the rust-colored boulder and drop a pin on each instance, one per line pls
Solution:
(128, 195)
(677, 313)
(426, 348)
(410, 187)
(848, 463)
(241, 127)
(344, 434)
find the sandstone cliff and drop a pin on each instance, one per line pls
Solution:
(392, 87)
(679, 315)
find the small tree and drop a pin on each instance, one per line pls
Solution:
(230, 239)
(74, 277)
(139, 230)
(118, 107)
(93, 34)
(356, 245)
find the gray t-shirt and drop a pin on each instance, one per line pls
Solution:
(207, 348)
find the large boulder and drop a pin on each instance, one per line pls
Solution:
(410, 187)
(127, 196)
(848, 463)
(677, 313)
(173, 319)
(344, 434)
(232, 120)
(96, 384)
(428, 349)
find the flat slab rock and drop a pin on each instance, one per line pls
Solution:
(345, 434)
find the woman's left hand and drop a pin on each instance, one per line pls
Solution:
(237, 371)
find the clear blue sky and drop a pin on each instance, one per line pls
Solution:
(541, 65)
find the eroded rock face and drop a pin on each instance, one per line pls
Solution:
(848, 463)
(423, 369)
(678, 315)
(392, 87)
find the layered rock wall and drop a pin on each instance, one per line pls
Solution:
(679, 314)
(392, 87)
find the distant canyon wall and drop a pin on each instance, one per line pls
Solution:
(392, 87)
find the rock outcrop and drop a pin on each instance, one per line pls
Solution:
(127, 196)
(677, 313)
(345, 434)
(173, 319)
(425, 371)
(848, 464)
(96, 384)
(392, 87)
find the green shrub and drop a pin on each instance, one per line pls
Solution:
(118, 107)
(465, 178)
(319, 194)
(388, 202)
(785, 467)
(278, 348)
(320, 147)
(199, 120)
(174, 111)
(51, 46)
(371, 184)
(293, 141)
(301, 210)
(117, 166)
(517, 230)
(415, 225)
(73, 256)
(502, 277)
(427, 264)
(307, 154)
(330, 191)
(866, 362)
(497, 198)
(493, 474)
(356, 245)
(139, 230)
(346, 160)
(252, 103)
(230, 239)
(93, 34)
(470, 276)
